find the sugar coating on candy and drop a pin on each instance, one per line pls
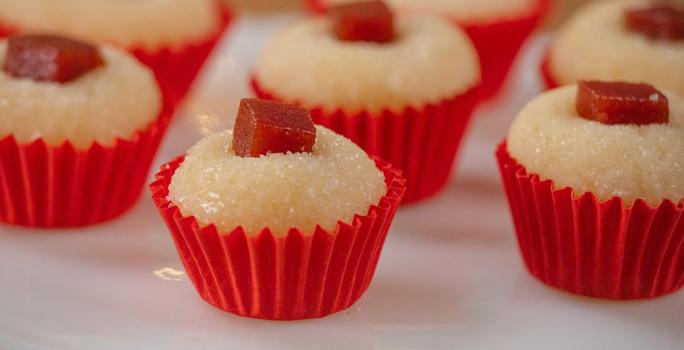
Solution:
(429, 61)
(278, 191)
(464, 11)
(580, 51)
(621, 103)
(150, 24)
(369, 21)
(112, 101)
(550, 139)
(50, 58)
(658, 22)
(264, 127)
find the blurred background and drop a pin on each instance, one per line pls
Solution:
(561, 8)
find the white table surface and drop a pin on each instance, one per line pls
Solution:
(450, 275)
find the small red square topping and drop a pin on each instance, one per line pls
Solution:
(264, 127)
(50, 58)
(659, 22)
(621, 103)
(363, 21)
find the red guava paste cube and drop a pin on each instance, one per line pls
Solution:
(621, 103)
(659, 22)
(263, 127)
(50, 58)
(363, 21)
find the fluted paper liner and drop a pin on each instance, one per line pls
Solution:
(600, 249)
(175, 68)
(291, 277)
(423, 142)
(53, 187)
(547, 77)
(497, 42)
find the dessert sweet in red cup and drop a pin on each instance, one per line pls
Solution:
(402, 88)
(593, 177)
(170, 37)
(646, 44)
(278, 219)
(497, 28)
(79, 126)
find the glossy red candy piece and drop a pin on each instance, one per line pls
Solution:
(621, 103)
(50, 58)
(363, 21)
(264, 127)
(659, 22)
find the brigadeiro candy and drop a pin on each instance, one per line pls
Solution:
(635, 41)
(402, 87)
(79, 126)
(497, 28)
(593, 173)
(274, 227)
(170, 37)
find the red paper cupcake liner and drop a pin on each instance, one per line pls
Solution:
(317, 6)
(588, 247)
(498, 43)
(545, 70)
(292, 277)
(175, 68)
(56, 187)
(6, 31)
(423, 142)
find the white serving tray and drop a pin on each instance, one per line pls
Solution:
(450, 276)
